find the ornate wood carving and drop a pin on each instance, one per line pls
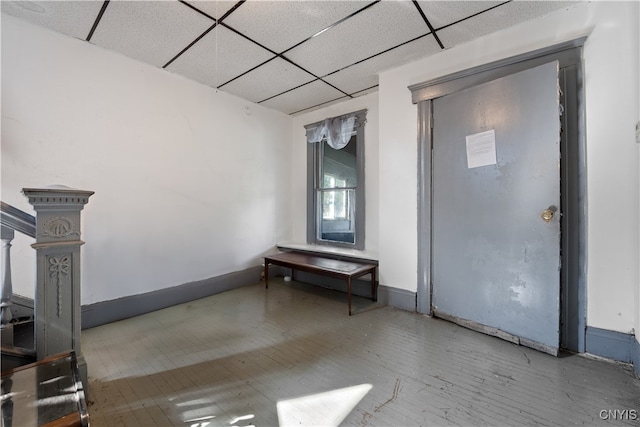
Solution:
(59, 227)
(59, 268)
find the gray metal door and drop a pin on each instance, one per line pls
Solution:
(495, 207)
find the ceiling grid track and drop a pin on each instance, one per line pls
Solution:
(291, 57)
(97, 21)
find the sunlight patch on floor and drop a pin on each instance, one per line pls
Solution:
(325, 409)
(200, 422)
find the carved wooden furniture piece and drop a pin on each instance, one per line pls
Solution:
(347, 270)
(47, 393)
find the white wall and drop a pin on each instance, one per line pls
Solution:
(188, 186)
(299, 166)
(611, 78)
(638, 141)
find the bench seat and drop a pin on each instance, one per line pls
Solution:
(346, 270)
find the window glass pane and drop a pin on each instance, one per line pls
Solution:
(339, 167)
(335, 204)
(337, 215)
(329, 181)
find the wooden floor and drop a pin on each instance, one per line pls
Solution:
(239, 357)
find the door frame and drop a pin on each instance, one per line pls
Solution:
(573, 175)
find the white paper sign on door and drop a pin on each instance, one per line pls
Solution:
(481, 149)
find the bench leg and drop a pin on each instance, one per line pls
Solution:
(374, 289)
(266, 275)
(349, 294)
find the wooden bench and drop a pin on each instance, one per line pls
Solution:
(347, 270)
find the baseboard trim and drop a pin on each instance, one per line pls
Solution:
(612, 345)
(393, 297)
(359, 287)
(134, 305)
(636, 357)
(398, 298)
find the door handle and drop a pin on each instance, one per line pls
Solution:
(548, 214)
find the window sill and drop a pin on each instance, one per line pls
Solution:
(353, 254)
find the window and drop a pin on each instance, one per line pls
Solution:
(335, 181)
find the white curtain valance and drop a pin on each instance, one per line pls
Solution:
(336, 131)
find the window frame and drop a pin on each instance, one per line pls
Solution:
(314, 212)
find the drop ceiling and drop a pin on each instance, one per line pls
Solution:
(292, 56)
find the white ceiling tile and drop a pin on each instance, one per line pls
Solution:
(305, 97)
(365, 74)
(271, 79)
(442, 13)
(150, 31)
(380, 27)
(215, 9)
(501, 17)
(279, 25)
(218, 57)
(73, 18)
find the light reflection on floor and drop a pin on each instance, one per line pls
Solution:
(206, 421)
(325, 409)
(200, 422)
(321, 409)
(242, 418)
